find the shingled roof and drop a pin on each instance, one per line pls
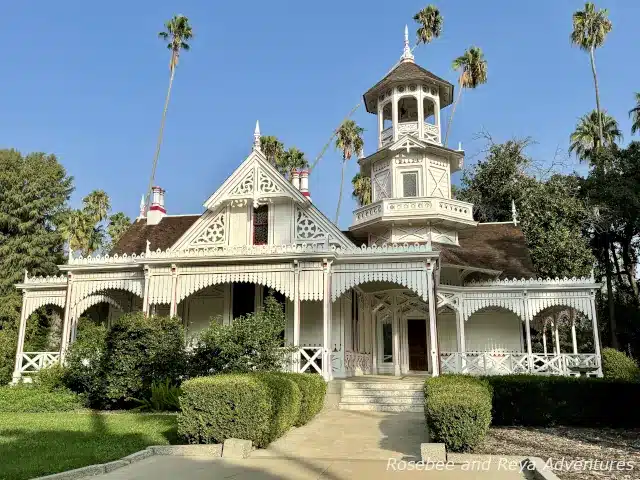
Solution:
(162, 236)
(405, 72)
(494, 246)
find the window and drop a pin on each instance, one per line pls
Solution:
(261, 225)
(410, 184)
(244, 299)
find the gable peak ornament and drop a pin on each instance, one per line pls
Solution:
(256, 138)
(407, 55)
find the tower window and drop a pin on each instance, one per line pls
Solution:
(261, 225)
(410, 184)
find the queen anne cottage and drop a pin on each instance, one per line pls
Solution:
(414, 286)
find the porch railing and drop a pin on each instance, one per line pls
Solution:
(357, 363)
(490, 363)
(31, 362)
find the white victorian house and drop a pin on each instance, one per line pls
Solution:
(414, 286)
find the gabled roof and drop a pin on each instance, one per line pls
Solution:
(407, 71)
(161, 236)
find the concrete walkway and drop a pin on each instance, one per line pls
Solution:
(336, 445)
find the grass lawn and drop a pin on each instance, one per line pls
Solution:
(35, 444)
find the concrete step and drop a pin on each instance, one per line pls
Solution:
(382, 393)
(378, 407)
(383, 386)
(382, 400)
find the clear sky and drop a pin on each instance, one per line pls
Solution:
(87, 80)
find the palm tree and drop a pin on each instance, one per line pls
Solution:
(97, 205)
(76, 229)
(272, 148)
(585, 140)
(349, 140)
(118, 224)
(634, 113)
(290, 160)
(590, 29)
(430, 22)
(178, 31)
(361, 189)
(473, 72)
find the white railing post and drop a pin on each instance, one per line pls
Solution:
(327, 364)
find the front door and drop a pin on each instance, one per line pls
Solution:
(417, 337)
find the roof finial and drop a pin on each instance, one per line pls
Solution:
(143, 208)
(256, 137)
(514, 212)
(406, 54)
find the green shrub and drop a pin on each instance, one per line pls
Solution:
(32, 399)
(534, 400)
(51, 378)
(617, 365)
(457, 411)
(8, 343)
(225, 406)
(285, 402)
(83, 361)
(139, 350)
(249, 344)
(163, 397)
(313, 389)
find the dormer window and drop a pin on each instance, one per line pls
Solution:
(261, 225)
(410, 184)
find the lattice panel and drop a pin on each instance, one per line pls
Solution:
(245, 186)
(382, 185)
(438, 183)
(214, 234)
(266, 184)
(307, 229)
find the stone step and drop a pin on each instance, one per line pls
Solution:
(378, 407)
(382, 400)
(383, 386)
(382, 393)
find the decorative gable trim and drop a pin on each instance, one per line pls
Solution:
(254, 181)
(407, 142)
(312, 227)
(210, 230)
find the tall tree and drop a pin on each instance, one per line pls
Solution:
(590, 29)
(118, 224)
(634, 113)
(429, 24)
(97, 205)
(473, 72)
(291, 159)
(272, 148)
(76, 228)
(349, 140)
(361, 189)
(177, 31)
(587, 137)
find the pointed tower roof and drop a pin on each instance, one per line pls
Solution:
(404, 71)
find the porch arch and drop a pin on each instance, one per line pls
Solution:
(280, 281)
(473, 305)
(32, 303)
(581, 303)
(92, 300)
(85, 288)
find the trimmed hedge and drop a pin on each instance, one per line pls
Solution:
(225, 406)
(457, 410)
(533, 400)
(616, 365)
(31, 399)
(313, 389)
(285, 403)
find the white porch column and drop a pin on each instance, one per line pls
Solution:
(433, 330)
(596, 334)
(556, 320)
(380, 124)
(420, 101)
(374, 337)
(394, 115)
(395, 326)
(461, 341)
(527, 327)
(21, 332)
(173, 309)
(145, 298)
(296, 315)
(574, 340)
(327, 370)
(544, 337)
(67, 319)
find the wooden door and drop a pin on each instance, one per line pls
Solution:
(417, 333)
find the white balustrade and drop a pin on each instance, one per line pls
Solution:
(431, 133)
(357, 363)
(309, 359)
(494, 363)
(400, 207)
(32, 362)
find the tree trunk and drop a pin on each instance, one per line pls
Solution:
(595, 82)
(610, 302)
(344, 163)
(630, 268)
(161, 133)
(616, 263)
(453, 111)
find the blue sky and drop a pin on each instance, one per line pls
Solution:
(86, 81)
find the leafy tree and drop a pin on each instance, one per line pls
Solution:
(97, 205)
(291, 159)
(349, 140)
(272, 148)
(177, 31)
(590, 29)
(430, 24)
(118, 224)
(585, 140)
(473, 72)
(634, 113)
(361, 189)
